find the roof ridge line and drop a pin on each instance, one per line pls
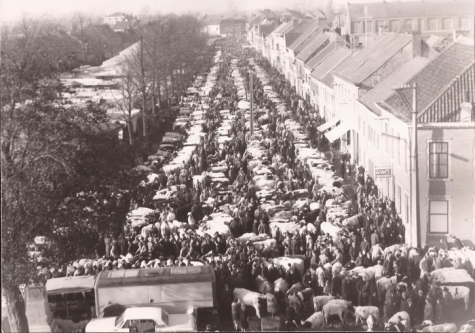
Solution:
(424, 111)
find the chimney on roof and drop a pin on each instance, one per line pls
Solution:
(466, 109)
(416, 44)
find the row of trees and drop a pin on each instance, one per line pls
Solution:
(156, 71)
(62, 177)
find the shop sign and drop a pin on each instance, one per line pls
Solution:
(383, 172)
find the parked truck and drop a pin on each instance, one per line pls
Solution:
(176, 290)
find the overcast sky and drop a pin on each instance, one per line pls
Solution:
(14, 9)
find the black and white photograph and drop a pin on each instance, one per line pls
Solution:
(237, 165)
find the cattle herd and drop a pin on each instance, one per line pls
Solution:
(271, 212)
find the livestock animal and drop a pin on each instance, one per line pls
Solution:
(363, 312)
(460, 292)
(281, 285)
(336, 309)
(263, 285)
(440, 328)
(320, 301)
(315, 321)
(295, 302)
(467, 328)
(295, 289)
(401, 317)
(251, 298)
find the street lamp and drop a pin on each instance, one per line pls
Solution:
(414, 191)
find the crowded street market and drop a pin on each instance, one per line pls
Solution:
(298, 237)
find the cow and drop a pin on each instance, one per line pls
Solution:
(295, 289)
(320, 301)
(263, 286)
(295, 302)
(281, 285)
(467, 328)
(401, 317)
(315, 321)
(251, 298)
(363, 312)
(460, 292)
(336, 309)
(440, 328)
(306, 296)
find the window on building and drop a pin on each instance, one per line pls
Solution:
(380, 25)
(394, 26)
(408, 24)
(369, 26)
(421, 25)
(464, 23)
(277, 46)
(446, 24)
(433, 24)
(438, 160)
(356, 27)
(439, 216)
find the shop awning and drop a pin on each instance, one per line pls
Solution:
(338, 131)
(328, 124)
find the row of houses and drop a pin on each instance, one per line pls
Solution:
(402, 104)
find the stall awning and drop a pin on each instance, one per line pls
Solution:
(338, 131)
(328, 124)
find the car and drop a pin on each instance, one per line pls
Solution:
(144, 319)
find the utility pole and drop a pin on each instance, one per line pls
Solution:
(252, 106)
(416, 160)
(415, 218)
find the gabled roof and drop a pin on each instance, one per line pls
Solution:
(106, 31)
(411, 9)
(294, 13)
(320, 56)
(123, 25)
(283, 28)
(330, 61)
(434, 79)
(383, 90)
(362, 64)
(256, 20)
(313, 46)
(313, 27)
(116, 14)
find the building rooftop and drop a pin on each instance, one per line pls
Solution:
(283, 28)
(320, 56)
(312, 46)
(330, 62)
(363, 63)
(410, 9)
(306, 34)
(383, 90)
(434, 79)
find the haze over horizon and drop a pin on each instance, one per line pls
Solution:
(12, 10)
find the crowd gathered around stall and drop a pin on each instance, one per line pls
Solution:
(292, 232)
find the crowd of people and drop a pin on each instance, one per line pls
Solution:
(328, 261)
